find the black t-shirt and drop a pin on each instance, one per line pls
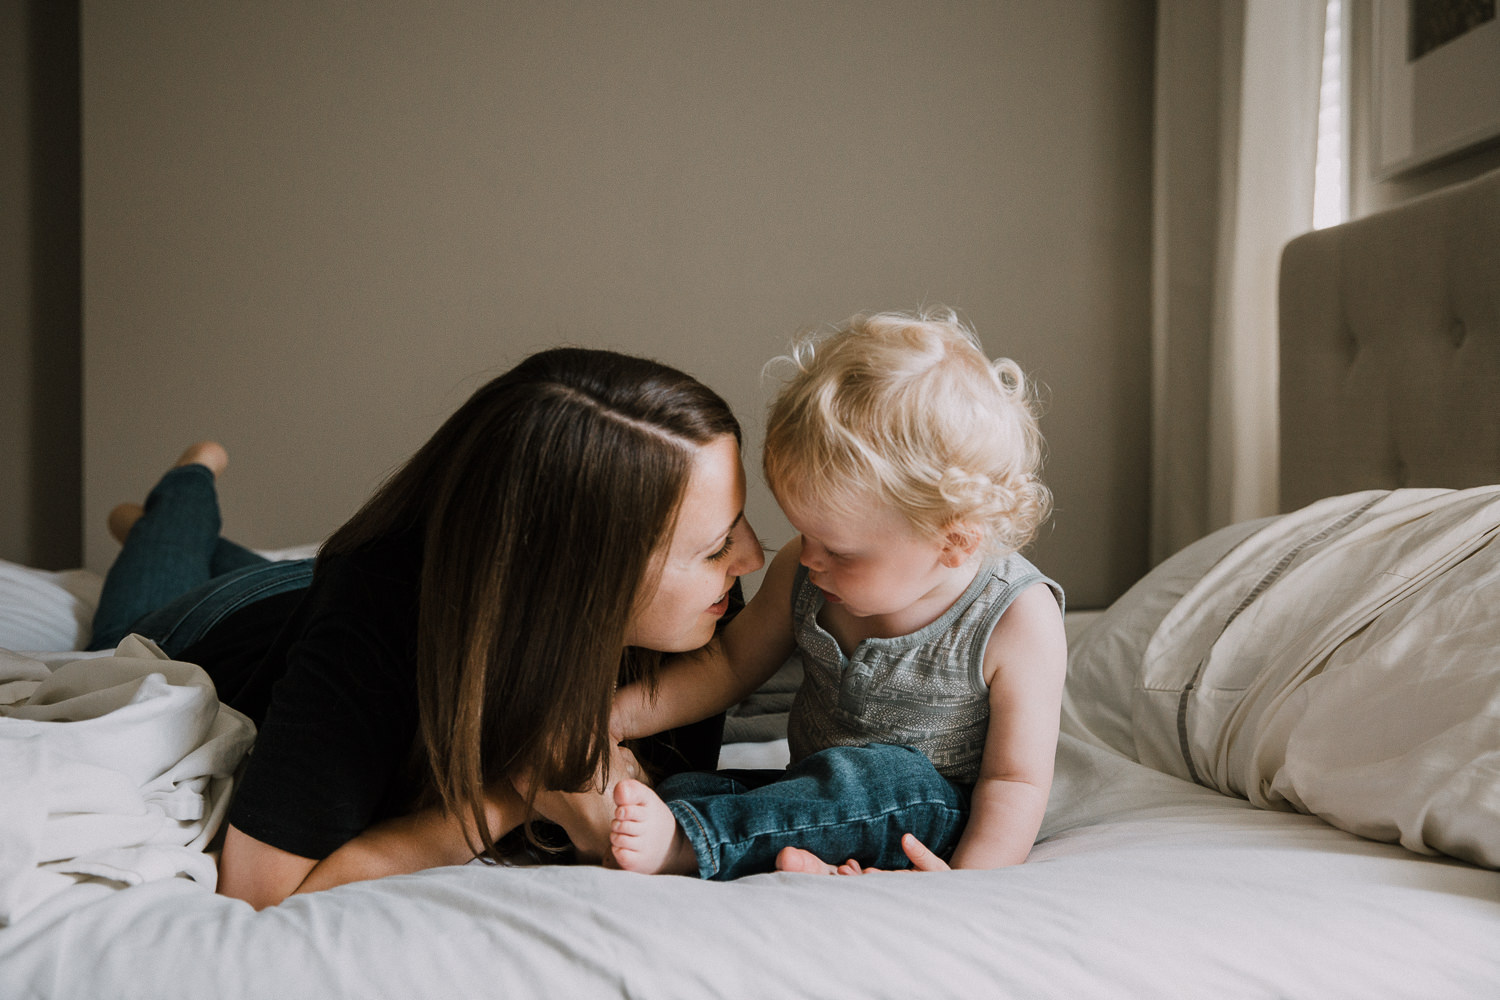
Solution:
(329, 677)
(334, 697)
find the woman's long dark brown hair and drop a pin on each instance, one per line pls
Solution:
(541, 503)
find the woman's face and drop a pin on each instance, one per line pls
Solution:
(712, 546)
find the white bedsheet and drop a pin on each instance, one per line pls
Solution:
(1143, 885)
(1146, 886)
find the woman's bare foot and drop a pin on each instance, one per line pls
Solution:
(122, 519)
(210, 454)
(645, 836)
(795, 859)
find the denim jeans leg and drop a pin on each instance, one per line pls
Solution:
(229, 556)
(839, 803)
(169, 552)
(185, 621)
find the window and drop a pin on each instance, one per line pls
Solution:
(1331, 171)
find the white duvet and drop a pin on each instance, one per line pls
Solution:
(1344, 661)
(115, 768)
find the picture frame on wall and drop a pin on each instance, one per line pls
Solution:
(1436, 77)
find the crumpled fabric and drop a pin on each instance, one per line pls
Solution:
(117, 768)
(1341, 662)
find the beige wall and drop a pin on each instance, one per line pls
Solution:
(313, 229)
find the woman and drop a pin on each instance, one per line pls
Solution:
(463, 634)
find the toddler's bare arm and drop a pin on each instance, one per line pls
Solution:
(699, 684)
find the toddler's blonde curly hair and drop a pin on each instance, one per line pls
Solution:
(907, 409)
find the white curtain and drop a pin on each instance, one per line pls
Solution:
(1235, 145)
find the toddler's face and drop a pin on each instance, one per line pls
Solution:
(870, 561)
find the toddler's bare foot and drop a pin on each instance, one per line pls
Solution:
(795, 859)
(122, 519)
(206, 453)
(645, 836)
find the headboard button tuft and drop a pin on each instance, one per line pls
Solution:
(1458, 333)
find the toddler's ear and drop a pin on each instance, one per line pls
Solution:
(959, 543)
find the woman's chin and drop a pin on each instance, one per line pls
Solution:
(699, 637)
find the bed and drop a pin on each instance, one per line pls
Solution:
(1279, 772)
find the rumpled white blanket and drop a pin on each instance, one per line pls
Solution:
(1344, 661)
(116, 768)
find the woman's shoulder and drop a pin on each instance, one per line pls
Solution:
(390, 565)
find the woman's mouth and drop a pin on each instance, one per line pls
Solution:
(721, 606)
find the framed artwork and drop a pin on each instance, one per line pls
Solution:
(1436, 76)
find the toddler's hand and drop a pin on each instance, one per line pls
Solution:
(921, 857)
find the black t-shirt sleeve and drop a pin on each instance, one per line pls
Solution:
(330, 754)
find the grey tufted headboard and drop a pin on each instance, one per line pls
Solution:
(1390, 349)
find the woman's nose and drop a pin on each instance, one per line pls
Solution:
(754, 556)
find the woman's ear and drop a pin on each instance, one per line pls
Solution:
(960, 542)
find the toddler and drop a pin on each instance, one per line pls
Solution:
(934, 656)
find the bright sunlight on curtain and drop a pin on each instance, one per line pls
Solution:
(1330, 185)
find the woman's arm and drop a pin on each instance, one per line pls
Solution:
(695, 685)
(263, 875)
(258, 873)
(1025, 665)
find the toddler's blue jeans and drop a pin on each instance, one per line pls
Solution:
(175, 578)
(839, 803)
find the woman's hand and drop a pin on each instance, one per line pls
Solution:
(586, 816)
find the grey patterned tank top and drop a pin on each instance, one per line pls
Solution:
(924, 690)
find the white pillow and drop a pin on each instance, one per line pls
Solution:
(1105, 657)
(42, 610)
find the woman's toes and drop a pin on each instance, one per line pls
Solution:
(206, 453)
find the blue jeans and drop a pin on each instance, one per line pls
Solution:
(839, 803)
(175, 578)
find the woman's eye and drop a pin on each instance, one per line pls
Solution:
(723, 552)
